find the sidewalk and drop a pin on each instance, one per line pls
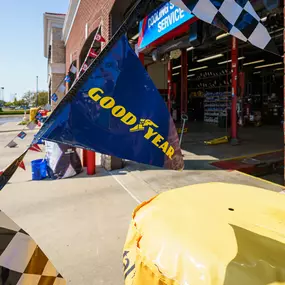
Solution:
(81, 223)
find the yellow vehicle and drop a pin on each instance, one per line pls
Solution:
(33, 113)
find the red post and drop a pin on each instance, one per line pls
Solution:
(234, 139)
(184, 83)
(141, 57)
(169, 84)
(283, 84)
(91, 165)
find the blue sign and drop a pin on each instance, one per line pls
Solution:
(54, 97)
(67, 79)
(160, 22)
(117, 110)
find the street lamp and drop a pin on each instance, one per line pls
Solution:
(2, 94)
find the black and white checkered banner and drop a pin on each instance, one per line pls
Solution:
(237, 17)
(63, 160)
(21, 260)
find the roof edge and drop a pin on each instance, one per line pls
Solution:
(69, 19)
(51, 20)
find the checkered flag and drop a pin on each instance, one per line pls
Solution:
(237, 17)
(21, 259)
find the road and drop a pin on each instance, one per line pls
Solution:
(11, 118)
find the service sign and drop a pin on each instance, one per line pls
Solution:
(160, 22)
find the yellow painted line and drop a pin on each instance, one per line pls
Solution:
(249, 155)
(260, 179)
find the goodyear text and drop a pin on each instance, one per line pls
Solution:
(129, 119)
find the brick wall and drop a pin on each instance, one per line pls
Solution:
(90, 12)
(56, 79)
(57, 46)
(57, 59)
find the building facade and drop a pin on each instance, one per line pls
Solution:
(54, 51)
(84, 17)
(175, 62)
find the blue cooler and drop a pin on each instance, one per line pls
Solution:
(39, 169)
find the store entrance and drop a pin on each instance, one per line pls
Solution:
(231, 91)
(259, 107)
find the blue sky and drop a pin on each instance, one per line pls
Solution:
(21, 43)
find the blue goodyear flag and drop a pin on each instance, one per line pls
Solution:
(117, 110)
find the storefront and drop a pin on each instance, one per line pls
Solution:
(207, 74)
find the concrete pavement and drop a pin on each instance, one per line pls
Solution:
(13, 127)
(81, 223)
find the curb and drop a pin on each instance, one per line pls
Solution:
(9, 131)
(19, 130)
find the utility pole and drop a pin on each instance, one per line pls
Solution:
(37, 92)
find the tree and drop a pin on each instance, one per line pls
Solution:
(19, 103)
(29, 98)
(8, 104)
(42, 98)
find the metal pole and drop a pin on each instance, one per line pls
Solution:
(2, 93)
(234, 139)
(184, 82)
(169, 85)
(37, 92)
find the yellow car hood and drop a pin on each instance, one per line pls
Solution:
(206, 234)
